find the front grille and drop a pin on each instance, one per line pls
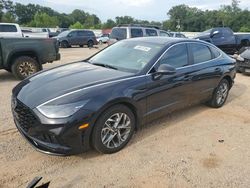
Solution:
(23, 115)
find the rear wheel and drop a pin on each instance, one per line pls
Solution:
(64, 44)
(90, 44)
(113, 129)
(220, 94)
(24, 66)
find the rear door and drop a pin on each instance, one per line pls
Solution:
(169, 92)
(81, 37)
(72, 38)
(206, 71)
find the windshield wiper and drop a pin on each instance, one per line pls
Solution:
(105, 65)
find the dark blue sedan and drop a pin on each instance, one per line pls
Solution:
(103, 100)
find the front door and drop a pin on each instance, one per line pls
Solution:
(169, 92)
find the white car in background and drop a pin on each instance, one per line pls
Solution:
(102, 38)
(10, 30)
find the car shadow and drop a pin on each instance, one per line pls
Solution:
(6, 76)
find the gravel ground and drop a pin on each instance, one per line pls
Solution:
(194, 147)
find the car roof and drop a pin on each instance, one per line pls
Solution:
(163, 40)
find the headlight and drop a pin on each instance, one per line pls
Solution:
(61, 110)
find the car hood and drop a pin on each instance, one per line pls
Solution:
(55, 82)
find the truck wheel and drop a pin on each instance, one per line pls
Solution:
(24, 66)
(64, 44)
(90, 44)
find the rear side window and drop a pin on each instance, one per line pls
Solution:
(151, 32)
(136, 32)
(177, 56)
(118, 33)
(201, 53)
(8, 28)
(215, 52)
(81, 33)
(90, 33)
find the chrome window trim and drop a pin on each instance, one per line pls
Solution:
(202, 43)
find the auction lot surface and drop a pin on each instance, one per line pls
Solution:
(195, 147)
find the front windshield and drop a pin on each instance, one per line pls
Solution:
(64, 34)
(129, 56)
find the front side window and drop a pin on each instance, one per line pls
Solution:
(201, 53)
(8, 28)
(136, 32)
(176, 56)
(151, 32)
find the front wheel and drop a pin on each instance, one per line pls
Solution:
(220, 94)
(113, 129)
(90, 44)
(24, 66)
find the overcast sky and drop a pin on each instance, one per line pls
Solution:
(140, 9)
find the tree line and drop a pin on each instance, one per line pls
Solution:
(181, 18)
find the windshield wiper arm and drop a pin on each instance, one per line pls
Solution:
(105, 65)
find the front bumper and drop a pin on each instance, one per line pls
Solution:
(51, 136)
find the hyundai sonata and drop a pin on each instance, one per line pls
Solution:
(103, 100)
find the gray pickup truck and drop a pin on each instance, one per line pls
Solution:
(225, 39)
(25, 56)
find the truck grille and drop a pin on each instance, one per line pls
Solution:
(23, 115)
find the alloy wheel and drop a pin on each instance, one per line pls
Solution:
(222, 93)
(116, 130)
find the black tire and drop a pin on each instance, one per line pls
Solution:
(24, 66)
(215, 102)
(81, 46)
(90, 43)
(100, 127)
(64, 44)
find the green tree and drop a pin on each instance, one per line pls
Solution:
(76, 25)
(44, 20)
(109, 24)
(124, 20)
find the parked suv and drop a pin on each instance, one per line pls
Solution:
(132, 31)
(77, 37)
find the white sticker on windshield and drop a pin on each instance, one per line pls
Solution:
(142, 48)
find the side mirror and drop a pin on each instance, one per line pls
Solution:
(215, 33)
(166, 69)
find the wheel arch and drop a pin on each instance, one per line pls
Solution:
(15, 55)
(229, 79)
(121, 101)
